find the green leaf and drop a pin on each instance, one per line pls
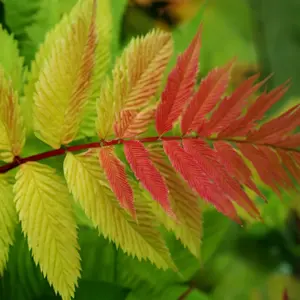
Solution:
(10, 59)
(135, 275)
(227, 25)
(238, 278)
(118, 8)
(97, 251)
(31, 20)
(47, 220)
(8, 221)
(170, 293)
(91, 290)
(22, 273)
(215, 227)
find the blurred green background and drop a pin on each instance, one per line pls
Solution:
(253, 262)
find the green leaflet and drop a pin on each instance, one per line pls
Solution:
(31, 19)
(171, 292)
(23, 273)
(88, 184)
(46, 216)
(8, 221)
(215, 228)
(10, 59)
(92, 290)
(118, 8)
(230, 22)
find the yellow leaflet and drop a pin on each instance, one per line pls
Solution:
(12, 134)
(185, 205)
(60, 31)
(102, 63)
(47, 219)
(64, 82)
(8, 220)
(87, 183)
(10, 60)
(135, 78)
(106, 109)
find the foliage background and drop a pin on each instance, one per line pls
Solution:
(256, 261)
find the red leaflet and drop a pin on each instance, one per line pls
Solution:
(235, 105)
(280, 174)
(144, 170)
(208, 95)
(262, 165)
(296, 157)
(116, 175)
(273, 131)
(194, 175)
(179, 87)
(231, 108)
(235, 166)
(290, 164)
(256, 112)
(207, 160)
(292, 141)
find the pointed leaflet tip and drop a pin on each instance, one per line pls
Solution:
(115, 172)
(139, 160)
(210, 91)
(179, 87)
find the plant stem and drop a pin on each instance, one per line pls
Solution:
(58, 152)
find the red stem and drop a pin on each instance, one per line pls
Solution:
(57, 152)
(52, 153)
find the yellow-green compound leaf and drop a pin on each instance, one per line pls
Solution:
(62, 89)
(88, 184)
(102, 63)
(185, 205)
(135, 79)
(8, 220)
(45, 211)
(12, 134)
(10, 59)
